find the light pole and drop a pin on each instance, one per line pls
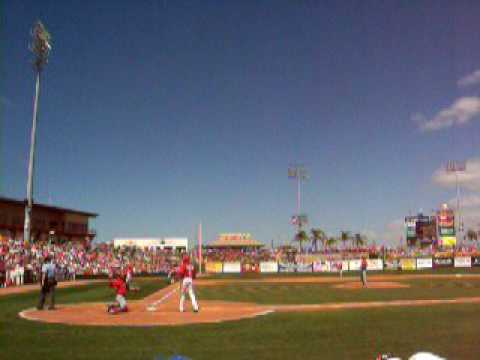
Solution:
(299, 173)
(40, 47)
(457, 167)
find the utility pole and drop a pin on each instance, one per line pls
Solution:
(40, 47)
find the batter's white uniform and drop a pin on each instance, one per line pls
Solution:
(187, 272)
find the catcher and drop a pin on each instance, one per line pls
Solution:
(120, 287)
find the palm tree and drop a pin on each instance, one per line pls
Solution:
(472, 235)
(359, 240)
(318, 235)
(331, 241)
(345, 236)
(301, 237)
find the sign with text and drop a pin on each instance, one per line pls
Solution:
(448, 241)
(286, 267)
(321, 266)
(392, 264)
(424, 263)
(463, 262)
(408, 264)
(374, 264)
(250, 267)
(214, 267)
(442, 262)
(475, 261)
(232, 267)
(268, 267)
(304, 268)
(354, 265)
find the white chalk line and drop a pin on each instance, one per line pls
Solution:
(23, 314)
(263, 313)
(162, 299)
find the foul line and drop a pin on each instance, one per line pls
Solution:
(163, 298)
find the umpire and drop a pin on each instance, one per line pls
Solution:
(48, 283)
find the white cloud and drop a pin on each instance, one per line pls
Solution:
(470, 79)
(469, 179)
(394, 231)
(466, 201)
(462, 111)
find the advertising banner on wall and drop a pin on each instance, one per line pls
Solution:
(304, 268)
(268, 267)
(447, 241)
(321, 266)
(408, 264)
(463, 261)
(232, 267)
(354, 265)
(214, 267)
(286, 267)
(337, 265)
(424, 263)
(250, 267)
(442, 262)
(374, 264)
(392, 264)
(476, 261)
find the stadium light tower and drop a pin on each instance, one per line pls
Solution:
(40, 46)
(457, 167)
(299, 173)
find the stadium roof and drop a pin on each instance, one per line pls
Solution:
(47, 207)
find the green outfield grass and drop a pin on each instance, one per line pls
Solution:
(301, 293)
(449, 330)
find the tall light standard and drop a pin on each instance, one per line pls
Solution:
(457, 167)
(299, 173)
(40, 47)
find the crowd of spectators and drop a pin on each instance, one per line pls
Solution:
(21, 262)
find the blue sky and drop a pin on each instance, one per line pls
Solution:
(161, 114)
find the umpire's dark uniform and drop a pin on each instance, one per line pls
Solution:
(48, 283)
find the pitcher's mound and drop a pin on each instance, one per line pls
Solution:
(372, 285)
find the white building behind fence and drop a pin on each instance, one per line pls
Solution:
(173, 243)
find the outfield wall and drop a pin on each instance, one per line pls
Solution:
(335, 266)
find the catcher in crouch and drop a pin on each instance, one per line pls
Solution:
(186, 273)
(117, 281)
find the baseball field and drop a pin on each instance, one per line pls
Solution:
(262, 317)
